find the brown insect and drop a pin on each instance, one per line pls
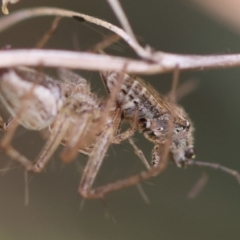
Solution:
(162, 122)
(154, 115)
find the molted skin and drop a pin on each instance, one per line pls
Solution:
(42, 98)
(47, 96)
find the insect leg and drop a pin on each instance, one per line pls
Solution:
(58, 131)
(11, 127)
(128, 133)
(75, 143)
(139, 153)
(94, 163)
(93, 166)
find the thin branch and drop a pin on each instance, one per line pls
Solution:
(96, 62)
(117, 9)
(22, 15)
(73, 60)
(44, 39)
(160, 62)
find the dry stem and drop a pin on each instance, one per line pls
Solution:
(157, 62)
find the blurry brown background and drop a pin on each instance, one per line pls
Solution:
(53, 212)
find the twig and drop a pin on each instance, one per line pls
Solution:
(21, 15)
(96, 62)
(41, 43)
(117, 9)
(160, 61)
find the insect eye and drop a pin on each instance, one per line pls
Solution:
(190, 153)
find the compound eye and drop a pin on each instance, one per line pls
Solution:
(190, 153)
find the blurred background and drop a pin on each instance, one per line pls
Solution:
(55, 209)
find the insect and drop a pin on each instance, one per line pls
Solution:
(86, 124)
(37, 101)
(74, 115)
(154, 115)
(162, 122)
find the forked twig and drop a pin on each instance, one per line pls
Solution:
(21, 15)
(117, 9)
(159, 61)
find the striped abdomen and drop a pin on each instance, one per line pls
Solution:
(134, 96)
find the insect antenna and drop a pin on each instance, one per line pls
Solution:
(216, 166)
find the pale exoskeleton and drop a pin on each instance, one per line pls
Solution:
(75, 116)
(36, 101)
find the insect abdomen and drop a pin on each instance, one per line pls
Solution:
(133, 97)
